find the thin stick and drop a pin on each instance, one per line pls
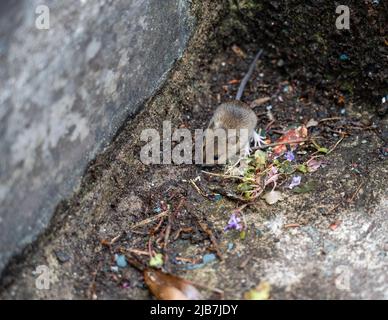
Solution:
(292, 225)
(116, 238)
(192, 261)
(212, 238)
(336, 145)
(356, 192)
(139, 252)
(330, 119)
(171, 217)
(197, 188)
(158, 226)
(151, 219)
(221, 175)
(281, 143)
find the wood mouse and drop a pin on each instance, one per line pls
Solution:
(236, 115)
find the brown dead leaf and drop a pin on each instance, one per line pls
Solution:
(168, 287)
(238, 51)
(260, 101)
(234, 81)
(341, 100)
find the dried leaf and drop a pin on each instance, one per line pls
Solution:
(272, 197)
(260, 101)
(313, 165)
(234, 81)
(238, 51)
(168, 287)
(261, 292)
(291, 137)
(311, 123)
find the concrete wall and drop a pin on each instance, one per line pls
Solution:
(65, 91)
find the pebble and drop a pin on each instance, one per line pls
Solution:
(62, 256)
(114, 269)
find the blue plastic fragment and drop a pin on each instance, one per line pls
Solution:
(344, 57)
(158, 210)
(217, 197)
(209, 257)
(121, 261)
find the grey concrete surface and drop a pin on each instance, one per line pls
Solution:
(65, 91)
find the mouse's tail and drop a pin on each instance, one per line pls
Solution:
(247, 76)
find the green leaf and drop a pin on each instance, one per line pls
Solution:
(302, 168)
(243, 235)
(260, 157)
(307, 187)
(156, 261)
(261, 292)
(319, 148)
(243, 187)
(286, 167)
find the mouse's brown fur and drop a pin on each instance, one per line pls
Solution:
(232, 115)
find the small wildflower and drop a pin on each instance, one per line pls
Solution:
(295, 182)
(233, 223)
(289, 156)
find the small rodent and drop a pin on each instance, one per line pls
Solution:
(237, 115)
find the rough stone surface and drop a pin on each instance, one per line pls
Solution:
(66, 91)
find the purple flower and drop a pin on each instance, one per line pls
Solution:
(295, 182)
(290, 156)
(233, 223)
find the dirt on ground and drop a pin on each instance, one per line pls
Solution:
(327, 241)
